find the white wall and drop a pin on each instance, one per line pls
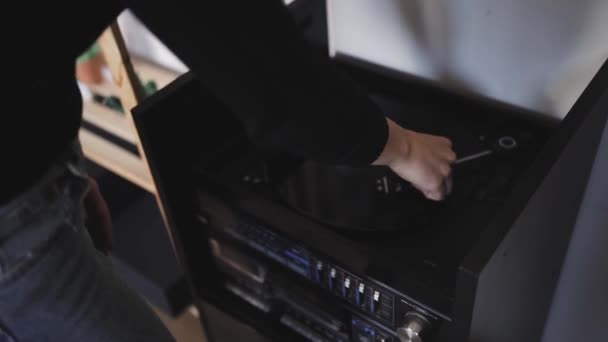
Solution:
(141, 42)
(539, 54)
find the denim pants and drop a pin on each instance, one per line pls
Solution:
(54, 285)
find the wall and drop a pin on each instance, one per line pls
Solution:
(141, 42)
(538, 54)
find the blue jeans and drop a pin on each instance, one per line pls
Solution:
(54, 285)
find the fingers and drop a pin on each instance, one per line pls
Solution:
(448, 185)
(433, 180)
(426, 164)
(445, 169)
(446, 141)
(439, 192)
(439, 183)
(434, 195)
(446, 151)
(432, 187)
(450, 155)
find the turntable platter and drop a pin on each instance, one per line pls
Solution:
(375, 199)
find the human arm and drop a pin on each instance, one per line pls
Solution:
(251, 55)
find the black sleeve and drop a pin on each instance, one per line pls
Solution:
(252, 56)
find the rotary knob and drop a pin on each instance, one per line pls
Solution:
(414, 328)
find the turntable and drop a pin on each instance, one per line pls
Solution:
(302, 250)
(375, 199)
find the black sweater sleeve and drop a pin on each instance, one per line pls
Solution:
(252, 56)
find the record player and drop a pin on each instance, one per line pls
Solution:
(403, 236)
(305, 251)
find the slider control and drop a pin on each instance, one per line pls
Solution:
(375, 302)
(346, 288)
(319, 271)
(332, 278)
(360, 293)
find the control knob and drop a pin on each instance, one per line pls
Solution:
(414, 328)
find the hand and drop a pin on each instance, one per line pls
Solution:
(99, 221)
(423, 160)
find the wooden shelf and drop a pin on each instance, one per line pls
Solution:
(147, 71)
(113, 121)
(109, 120)
(107, 154)
(117, 160)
